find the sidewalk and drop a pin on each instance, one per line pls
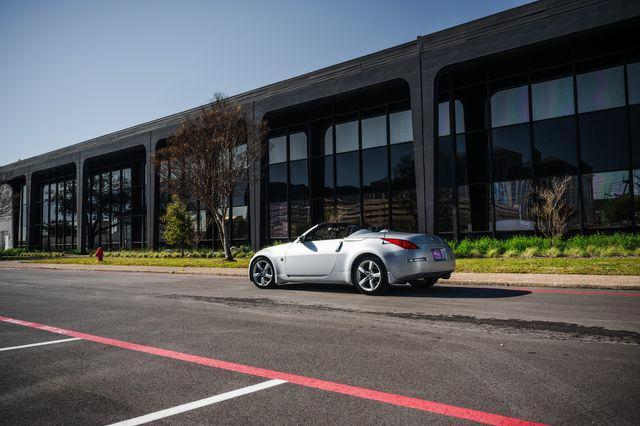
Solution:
(626, 282)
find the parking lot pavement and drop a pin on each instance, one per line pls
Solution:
(206, 350)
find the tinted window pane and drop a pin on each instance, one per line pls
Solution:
(404, 213)
(510, 106)
(634, 115)
(299, 217)
(278, 225)
(513, 202)
(601, 89)
(347, 188)
(443, 119)
(459, 113)
(240, 223)
(444, 165)
(511, 152)
(552, 98)
(299, 180)
(636, 193)
(278, 182)
(444, 209)
(555, 148)
(402, 167)
(607, 202)
(374, 169)
(297, 146)
(474, 208)
(347, 136)
(376, 209)
(374, 131)
(603, 141)
(633, 77)
(277, 150)
(347, 171)
(472, 156)
(321, 176)
(400, 127)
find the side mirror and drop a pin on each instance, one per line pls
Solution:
(300, 239)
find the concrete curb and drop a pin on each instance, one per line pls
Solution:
(609, 282)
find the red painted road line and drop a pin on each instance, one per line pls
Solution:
(578, 292)
(374, 395)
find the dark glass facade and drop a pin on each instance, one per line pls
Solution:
(54, 212)
(116, 206)
(506, 125)
(348, 160)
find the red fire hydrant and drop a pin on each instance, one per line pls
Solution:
(99, 254)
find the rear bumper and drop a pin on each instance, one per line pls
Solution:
(403, 267)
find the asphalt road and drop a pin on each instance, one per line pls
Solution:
(528, 354)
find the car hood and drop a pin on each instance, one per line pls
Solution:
(278, 250)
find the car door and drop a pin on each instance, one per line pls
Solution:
(316, 255)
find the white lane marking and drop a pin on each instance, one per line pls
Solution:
(198, 404)
(50, 342)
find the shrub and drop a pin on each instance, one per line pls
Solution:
(531, 252)
(554, 252)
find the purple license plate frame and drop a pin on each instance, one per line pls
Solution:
(438, 255)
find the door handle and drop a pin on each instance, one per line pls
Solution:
(339, 247)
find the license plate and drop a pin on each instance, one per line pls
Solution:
(438, 254)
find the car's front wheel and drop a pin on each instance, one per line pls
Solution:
(370, 275)
(423, 282)
(262, 274)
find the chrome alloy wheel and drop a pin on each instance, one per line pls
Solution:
(262, 273)
(369, 275)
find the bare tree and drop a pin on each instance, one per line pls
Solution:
(210, 154)
(551, 210)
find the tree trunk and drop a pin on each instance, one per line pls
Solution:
(225, 240)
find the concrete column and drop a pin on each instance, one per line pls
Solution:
(150, 197)
(81, 210)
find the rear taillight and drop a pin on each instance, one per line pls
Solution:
(408, 245)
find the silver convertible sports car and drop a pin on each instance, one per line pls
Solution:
(344, 253)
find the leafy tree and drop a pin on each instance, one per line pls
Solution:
(178, 225)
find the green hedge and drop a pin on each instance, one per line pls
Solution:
(596, 245)
(20, 253)
(240, 252)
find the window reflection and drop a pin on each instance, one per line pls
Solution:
(555, 148)
(297, 146)
(277, 150)
(552, 98)
(400, 127)
(603, 141)
(633, 79)
(513, 202)
(607, 200)
(601, 89)
(374, 131)
(511, 152)
(510, 106)
(474, 208)
(347, 136)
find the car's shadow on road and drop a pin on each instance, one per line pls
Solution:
(438, 291)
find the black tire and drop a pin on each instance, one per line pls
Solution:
(369, 275)
(262, 273)
(423, 282)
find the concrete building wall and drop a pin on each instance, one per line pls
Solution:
(418, 63)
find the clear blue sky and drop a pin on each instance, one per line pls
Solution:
(73, 70)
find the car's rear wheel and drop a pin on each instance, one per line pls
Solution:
(370, 275)
(262, 273)
(423, 282)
